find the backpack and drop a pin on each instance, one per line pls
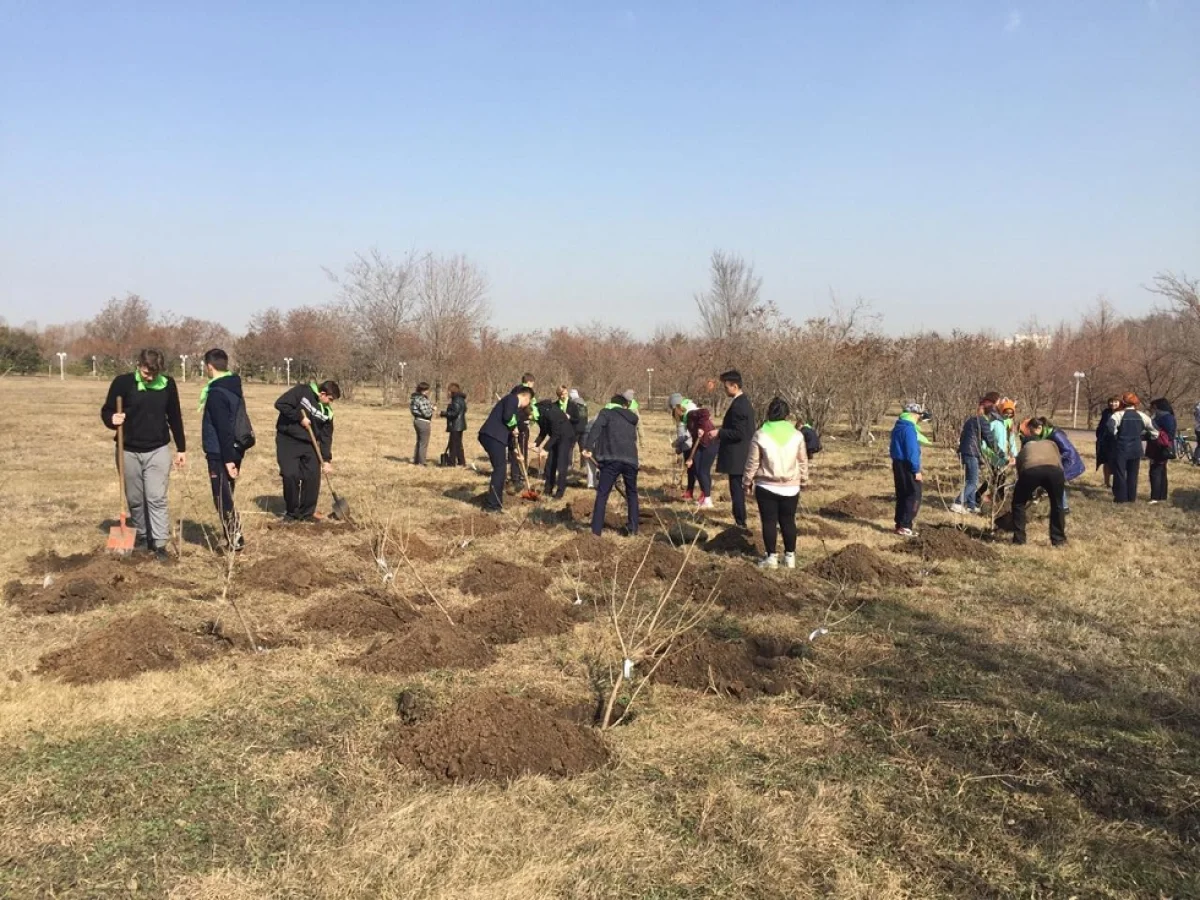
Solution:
(1166, 446)
(812, 440)
(243, 431)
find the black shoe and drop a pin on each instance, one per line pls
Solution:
(160, 554)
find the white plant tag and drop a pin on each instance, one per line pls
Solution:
(818, 633)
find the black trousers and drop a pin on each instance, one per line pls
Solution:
(1052, 481)
(1158, 481)
(495, 451)
(301, 472)
(518, 443)
(908, 494)
(609, 473)
(457, 456)
(558, 464)
(1125, 479)
(777, 513)
(738, 496)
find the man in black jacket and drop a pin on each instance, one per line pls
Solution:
(613, 442)
(150, 419)
(495, 437)
(557, 433)
(221, 399)
(303, 407)
(735, 434)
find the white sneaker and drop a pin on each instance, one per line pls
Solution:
(905, 532)
(789, 560)
(1154, 503)
(706, 503)
(958, 509)
(770, 561)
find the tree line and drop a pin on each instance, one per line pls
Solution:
(391, 323)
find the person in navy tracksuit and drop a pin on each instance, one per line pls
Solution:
(1130, 427)
(906, 468)
(1163, 417)
(498, 431)
(220, 400)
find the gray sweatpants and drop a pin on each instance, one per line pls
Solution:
(421, 451)
(146, 479)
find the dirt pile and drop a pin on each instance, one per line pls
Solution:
(490, 736)
(359, 615)
(487, 576)
(430, 643)
(941, 542)
(584, 548)
(747, 591)
(513, 616)
(859, 564)
(289, 575)
(397, 544)
(73, 584)
(461, 529)
(851, 506)
(736, 542)
(127, 647)
(579, 512)
(744, 668)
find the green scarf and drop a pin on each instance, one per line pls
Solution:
(207, 385)
(779, 432)
(325, 407)
(159, 382)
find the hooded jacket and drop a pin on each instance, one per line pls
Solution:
(456, 413)
(553, 424)
(218, 425)
(777, 457)
(906, 442)
(737, 431)
(976, 438)
(579, 418)
(303, 400)
(613, 436)
(1072, 462)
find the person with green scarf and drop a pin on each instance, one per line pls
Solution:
(150, 419)
(776, 468)
(221, 400)
(304, 407)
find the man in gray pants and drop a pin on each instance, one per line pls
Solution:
(151, 419)
(422, 412)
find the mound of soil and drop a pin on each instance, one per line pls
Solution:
(430, 643)
(747, 591)
(412, 545)
(579, 512)
(487, 576)
(288, 575)
(359, 615)
(468, 528)
(682, 533)
(513, 616)
(85, 581)
(809, 526)
(585, 548)
(743, 668)
(737, 542)
(127, 647)
(490, 736)
(51, 562)
(852, 506)
(859, 564)
(947, 542)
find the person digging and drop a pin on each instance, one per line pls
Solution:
(305, 417)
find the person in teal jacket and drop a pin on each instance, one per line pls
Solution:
(906, 444)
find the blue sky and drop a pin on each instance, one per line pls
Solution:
(957, 163)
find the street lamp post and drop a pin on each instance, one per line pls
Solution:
(649, 386)
(287, 360)
(93, 365)
(402, 365)
(61, 373)
(1079, 376)
(184, 357)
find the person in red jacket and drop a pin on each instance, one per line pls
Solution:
(705, 444)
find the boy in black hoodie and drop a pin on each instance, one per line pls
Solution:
(151, 419)
(613, 442)
(220, 402)
(304, 406)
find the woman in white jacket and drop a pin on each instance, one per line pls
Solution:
(776, 469)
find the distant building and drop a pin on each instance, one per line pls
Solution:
(1038, 341)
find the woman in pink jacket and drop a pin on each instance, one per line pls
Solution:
(776, 469)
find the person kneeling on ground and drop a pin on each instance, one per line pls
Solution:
(150, 419)
(222, 404)
(304, 413)
(613, 442)
(906, 467)
(776, 468)
(1039, 465)
(557, 433)
(498, 431)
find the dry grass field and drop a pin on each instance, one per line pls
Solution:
(980, 720)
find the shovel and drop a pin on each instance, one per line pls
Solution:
(529, 493)
(341, 509)
(121, 537)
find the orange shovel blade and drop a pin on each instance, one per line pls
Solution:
(120, 539)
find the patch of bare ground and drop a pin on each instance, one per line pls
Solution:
(744, 668)
(469, 527)
(359, 615)
(430, 643)
(491, 736)
(851, 506)
(126, 647)
(84, 581)
(287, 574)
(944, 542)
(487, 575)
(859, 564)
(515, 615)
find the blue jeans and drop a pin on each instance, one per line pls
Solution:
(971, 487)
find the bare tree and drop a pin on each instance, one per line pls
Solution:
(452, 307)
(380, 298)
(731, 306)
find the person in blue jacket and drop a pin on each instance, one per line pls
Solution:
(498, 432)
(1161, 450)
(220, 400)
(1072, 463)
(906, 467)
(1131, 429)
